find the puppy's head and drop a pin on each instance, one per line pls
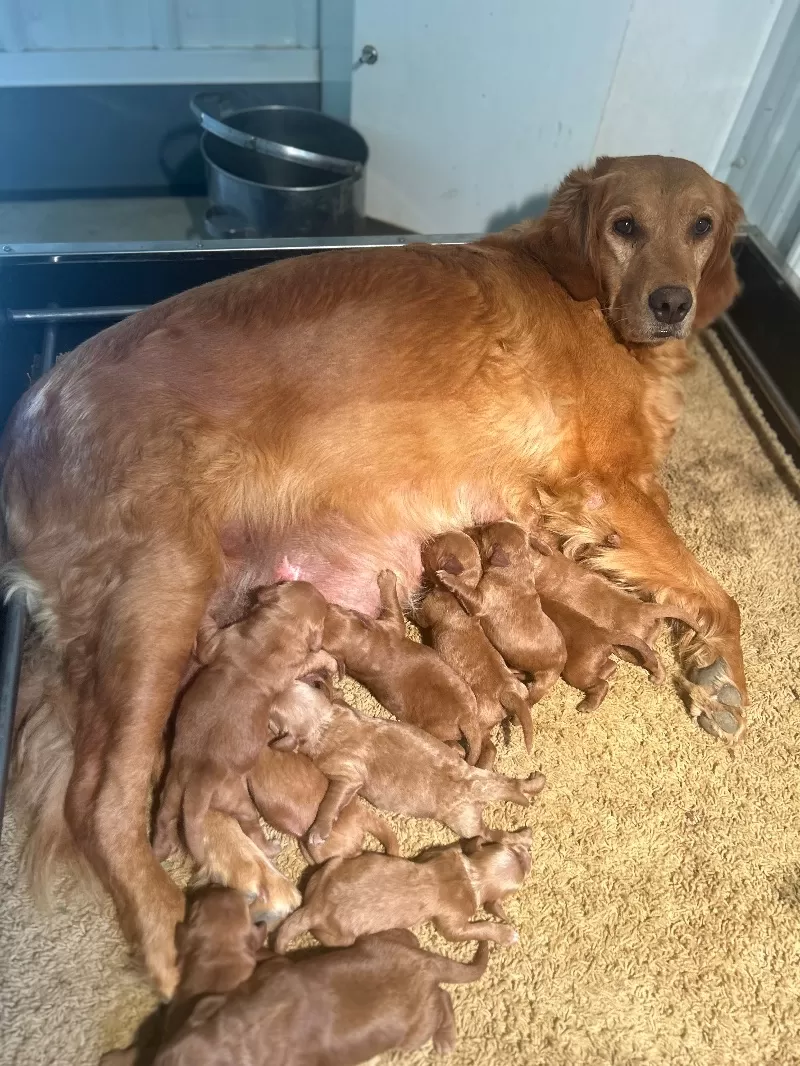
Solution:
(295, 603)
(650, 237)
(456, 554)
(499, 867)
(218, 933)
(298, 714)
(502, 544)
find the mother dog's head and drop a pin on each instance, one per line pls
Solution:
(649, 236)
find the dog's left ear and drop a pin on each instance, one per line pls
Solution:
(719, 285)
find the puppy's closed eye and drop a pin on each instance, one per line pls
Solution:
(451, 565)
(498, 557)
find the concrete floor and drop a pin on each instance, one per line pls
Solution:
(151, 218)
(147, 218)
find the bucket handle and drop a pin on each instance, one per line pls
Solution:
(211, 110)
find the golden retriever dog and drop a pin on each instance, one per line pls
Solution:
(320, 418)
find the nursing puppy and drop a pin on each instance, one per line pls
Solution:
(337, 1008)
(350, 897)
(395, 766)
(287, 789)
(218, 947)
(223, 719)
(506, 601)
(589, 665)
(407, 678)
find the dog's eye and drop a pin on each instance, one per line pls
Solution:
(625, 227)
(702, 226)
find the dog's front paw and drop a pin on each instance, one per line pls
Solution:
(715, 701)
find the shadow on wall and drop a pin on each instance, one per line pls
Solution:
(531, 208)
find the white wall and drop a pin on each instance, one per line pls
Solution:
(476, 108)
(682, 74)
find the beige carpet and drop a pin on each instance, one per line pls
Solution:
(661, 922)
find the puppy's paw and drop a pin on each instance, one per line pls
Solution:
(316, 837)
(533, 785)
(506, 936)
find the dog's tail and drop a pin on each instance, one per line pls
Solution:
(298, 922)
(461, 973)
(518, 707)
(648, 658)
(382, 831)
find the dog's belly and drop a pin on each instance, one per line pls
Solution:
(340, 558)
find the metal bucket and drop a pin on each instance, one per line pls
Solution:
(277, 171)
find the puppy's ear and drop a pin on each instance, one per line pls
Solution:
(719, 285)
(451, 565)
(498, 557)
(285, 742)
(539, 545)
(565, 239)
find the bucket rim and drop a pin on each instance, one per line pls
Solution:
(345, 179)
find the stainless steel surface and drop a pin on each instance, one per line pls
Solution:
(110, 250)
(233, 120)
(277, 194)
(69, 314)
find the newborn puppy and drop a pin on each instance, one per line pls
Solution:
(506, 601)
(395, 766)
(408, 679)
(223, 719)
(589, 665)
(338, 1008)
(350, 897)
(218, 947)
(287, 790)
(563, 581)
(459, 640)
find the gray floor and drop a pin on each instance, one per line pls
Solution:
(147, 218)
(152, 218)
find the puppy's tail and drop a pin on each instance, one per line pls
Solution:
(297, 923)
(648, 658)
(461, 973)
(382, 831)
(518, 707)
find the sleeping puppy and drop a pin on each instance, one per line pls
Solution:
(506, 601)
(589, 665)
(408, 679)
(335, 1008)
(218, 947)
(223, 719)
(287, 790)
(350, 897)
(397, 767)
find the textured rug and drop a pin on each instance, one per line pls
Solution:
(661, 921)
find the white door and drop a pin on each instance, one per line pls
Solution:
(475, 109)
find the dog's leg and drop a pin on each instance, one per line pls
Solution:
(141, 643)
(458, 929)
(470, 599)
(333, 803)
(652, 558)
(391, 611)
(444, 1039)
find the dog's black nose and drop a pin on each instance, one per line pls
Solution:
(670, 303)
